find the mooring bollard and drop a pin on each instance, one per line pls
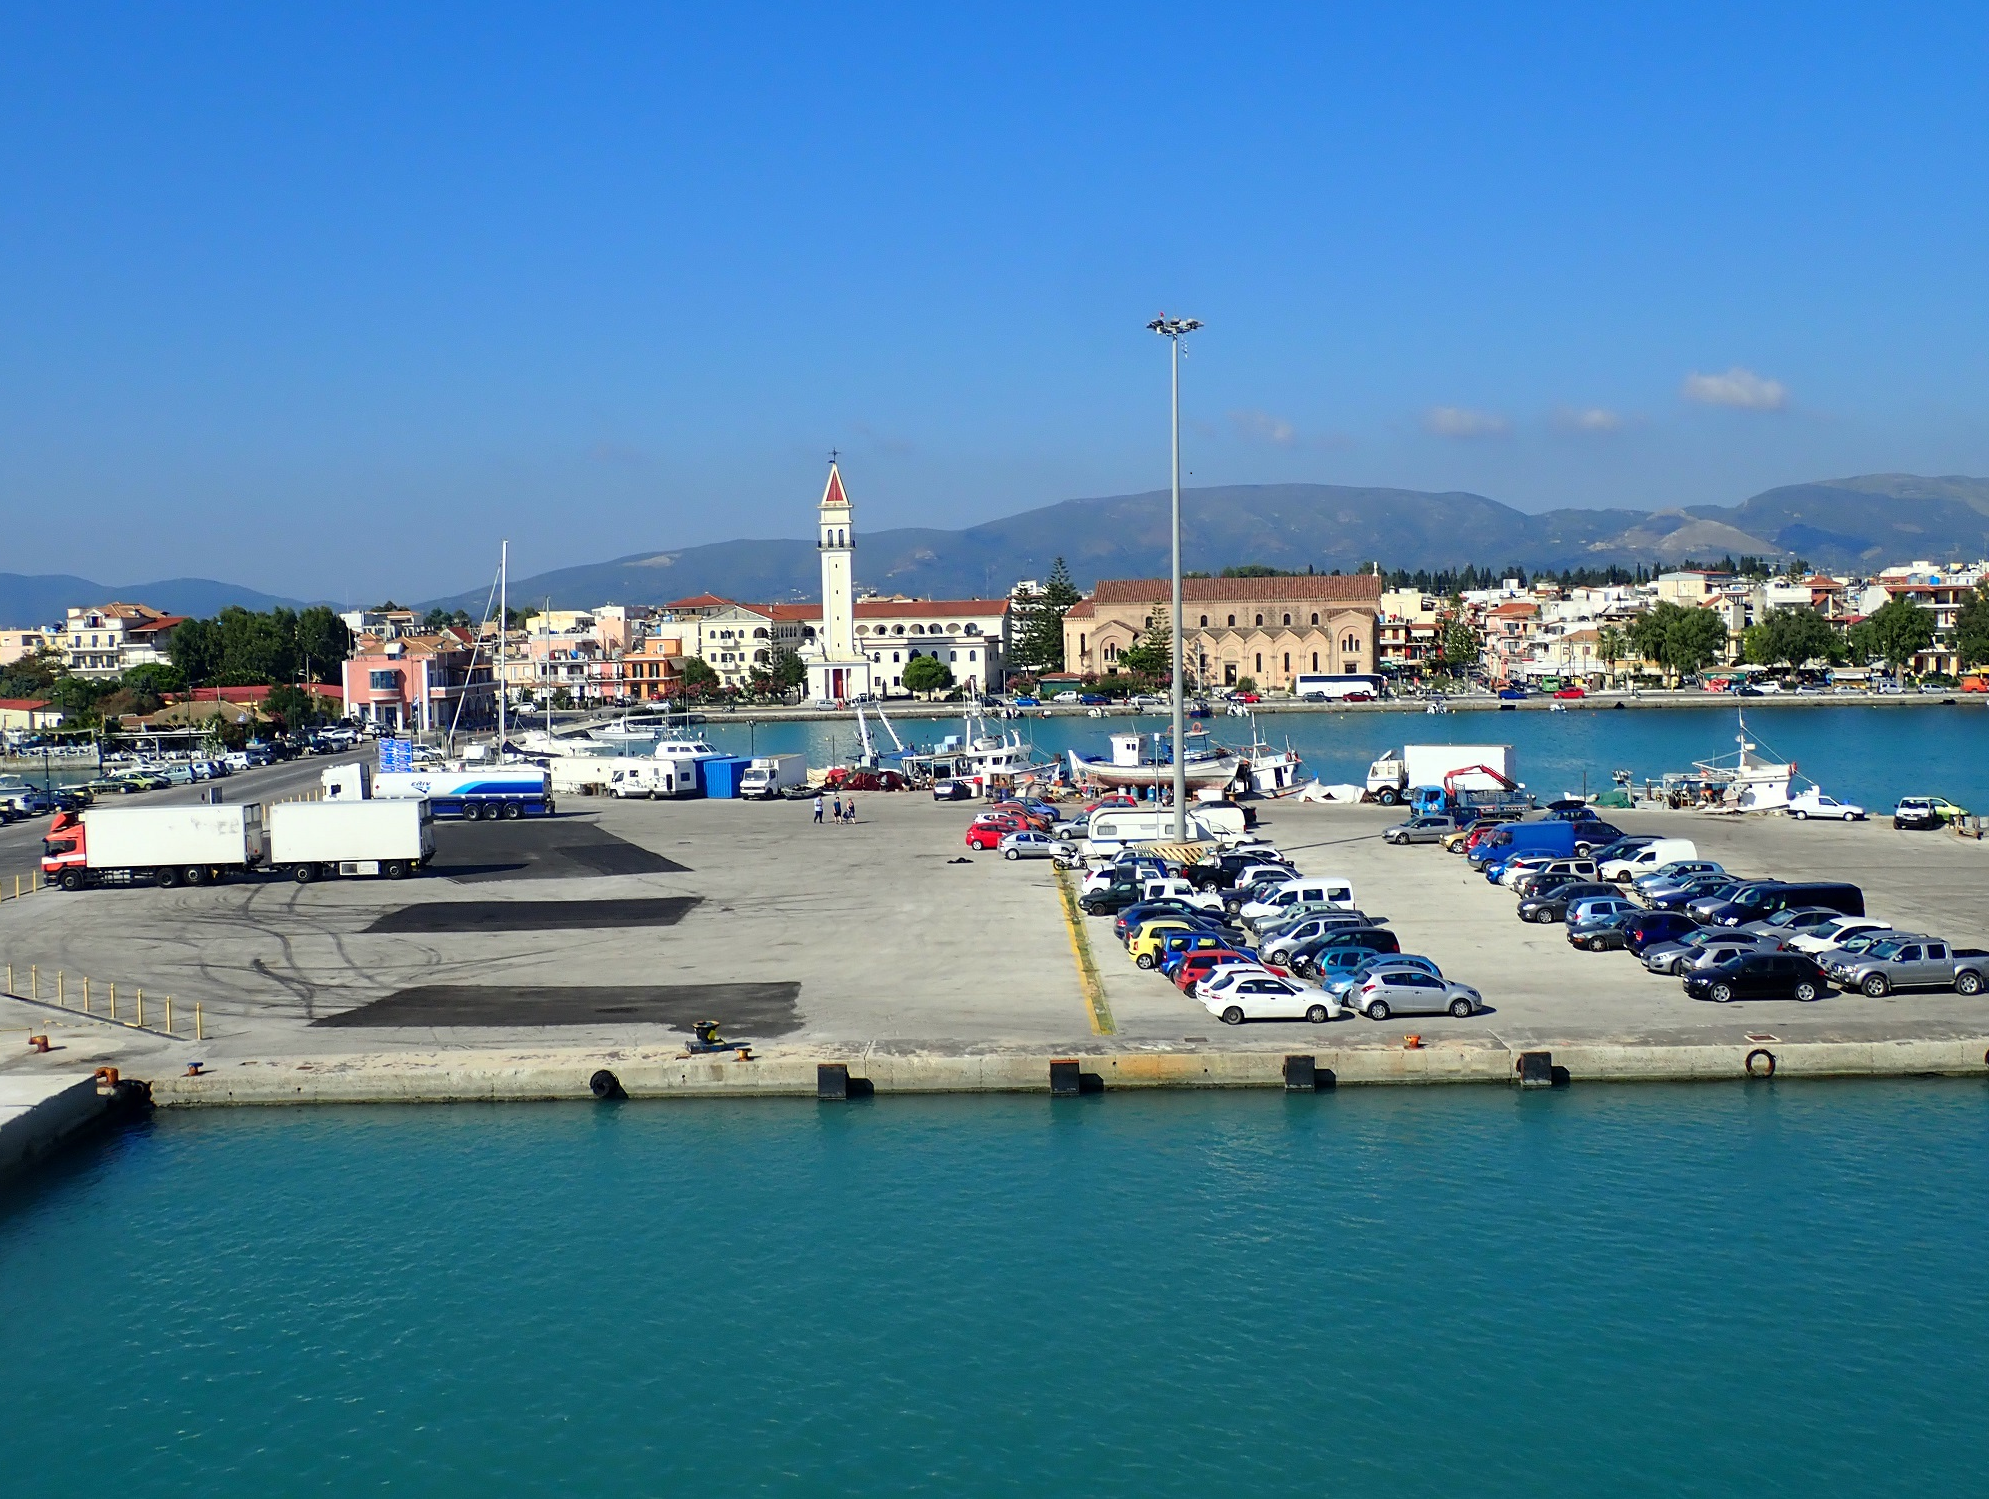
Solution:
(113, 1001)
(34, 981)
(1063, 1079)
(60, 997)
(86, 994)
(832, 1080)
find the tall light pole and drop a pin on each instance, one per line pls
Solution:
(1173, 330)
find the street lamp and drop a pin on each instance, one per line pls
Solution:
(1174, 330)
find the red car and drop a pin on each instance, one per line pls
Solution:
(1571, 692)
(1245, 697)
(1200, 965)
(985, 836)
(1022, 815)
(1110, 801)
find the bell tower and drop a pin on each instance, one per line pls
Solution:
(837, 545)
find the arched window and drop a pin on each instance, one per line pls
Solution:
(894, 655)
(973, 629)
(1260, 660)
(1288, 663)
(1350, 643)
(863, 629)
(1287, 619)
(760, 633)
(897, 629)
(1260, 619)
(1205, 621)
(1315, 660)
(911, 655)
(918, 629)
(1232, 621)
(1315, 616)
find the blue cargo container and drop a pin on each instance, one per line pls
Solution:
(720, 777)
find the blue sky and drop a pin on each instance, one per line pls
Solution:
(328, 299)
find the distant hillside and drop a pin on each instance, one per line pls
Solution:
(44, 598)
(1840, 523)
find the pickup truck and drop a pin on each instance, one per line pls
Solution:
(1910, 963)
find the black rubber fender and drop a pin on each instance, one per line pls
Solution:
(605, 1086)
(1766, 1055)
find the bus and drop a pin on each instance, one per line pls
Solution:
(1322, 687)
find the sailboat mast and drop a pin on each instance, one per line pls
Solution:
(503, 579)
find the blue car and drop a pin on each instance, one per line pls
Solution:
(1094, 700)
(1512, 694)
(1027, 702)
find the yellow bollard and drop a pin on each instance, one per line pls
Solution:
(10, 978)
(86, 994)
(34, 981)
(34, 882)
(60, 998)
(198, 1033)
(113, 1001)
(17, 887)
(169, 1014)
(141, 1009)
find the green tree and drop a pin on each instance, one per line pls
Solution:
(698, 676)
(1790, 637)
(1680, 640)
(30, 677)
(196, 651)
(295, 708)
(927, 675)
(1153, 657)
(1458, 646)
(1612, 646)
(324, 641)
(153, 678)
(1900, 630)
(1039, 637)
(1971, 629)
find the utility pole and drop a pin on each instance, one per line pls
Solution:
(1173, 330)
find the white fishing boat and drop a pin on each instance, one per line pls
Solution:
(1273, 772)
(1748, 780)
(1206, 763)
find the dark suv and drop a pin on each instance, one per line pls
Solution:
(1760, 975)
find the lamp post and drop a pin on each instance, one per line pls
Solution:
(1173, 330)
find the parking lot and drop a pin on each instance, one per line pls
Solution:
(617, 924)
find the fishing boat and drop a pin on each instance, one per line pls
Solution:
(1752, 779)
(1273, 772)
(1206, 763)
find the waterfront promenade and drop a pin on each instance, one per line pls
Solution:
(537, 953)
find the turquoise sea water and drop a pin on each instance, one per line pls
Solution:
(1650, 1290)
(1869, 755)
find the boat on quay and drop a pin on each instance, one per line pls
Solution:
(980, 756)
(1751, 779)
(1205, 764)
(1272, 772)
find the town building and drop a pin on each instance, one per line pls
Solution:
(1270, 630)
(837, 671)
(654, 669)
(109, 640)
(28, 715)
(420, 683)
(24, 645)
(383, 624)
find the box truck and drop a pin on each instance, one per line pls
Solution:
(1390, 777)
(315, 840)
(506, 791)
(170, 846)
(770, 775)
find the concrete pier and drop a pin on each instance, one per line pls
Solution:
(40, 1111)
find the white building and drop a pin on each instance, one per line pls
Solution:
(109, 640)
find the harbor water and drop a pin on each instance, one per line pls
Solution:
(1869, 755)
(1702, 1290)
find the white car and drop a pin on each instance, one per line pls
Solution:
(1064, 697)
(1831, 935)
(1238, 992)
(1031, 845)
(1816, 803)
(1268, 900)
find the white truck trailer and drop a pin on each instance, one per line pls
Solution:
(1391, 776)
(170, 846)
(770, 775)
(314, 840)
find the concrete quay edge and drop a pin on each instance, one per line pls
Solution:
(489, 1077)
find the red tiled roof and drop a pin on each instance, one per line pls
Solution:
(890, 608)
(163, 622)
(701, 601)
(24, 704)
(1356, 588)
(1083, 610)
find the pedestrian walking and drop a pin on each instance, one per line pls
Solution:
(818, 809)
(849, 811)
(838, 808)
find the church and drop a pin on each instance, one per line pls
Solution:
(857, 649)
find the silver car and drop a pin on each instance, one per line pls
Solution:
(1675, 957)
(1408, 991)
(1339, 985)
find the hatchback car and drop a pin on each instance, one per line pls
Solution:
(1240, 992)
(1815, 803)
(1407, 991)
(951, 791)
(1761, 975)
(1924, 813)
(1598, 907)
(1344, 981)
(1032, 845)
(1425, 829)
(1552, 905)
(1707, 948)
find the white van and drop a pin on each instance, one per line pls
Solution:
(1112, 828)
(1329, 892)
(1651, 856)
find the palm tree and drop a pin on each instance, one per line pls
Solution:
(1611, 646)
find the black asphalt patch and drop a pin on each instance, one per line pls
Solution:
(744, 1012)
(538, 848)
(534, 915)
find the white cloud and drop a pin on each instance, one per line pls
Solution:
(1588, 419)
(1261, 426)
(1461, 421)
(1739, 388)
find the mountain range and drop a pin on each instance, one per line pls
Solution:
(1865, 522)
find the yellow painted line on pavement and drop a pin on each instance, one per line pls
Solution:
(1088, 981)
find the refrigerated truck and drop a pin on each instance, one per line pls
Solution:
(167, 846)
(315, 840)
(770, 775)
(506, 791)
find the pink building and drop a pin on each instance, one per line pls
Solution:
(420, 683)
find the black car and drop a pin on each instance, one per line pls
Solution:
(1220, 873)
(1653, 927)
(1114, 897)
(1693, 889)
(1129, 917)
(1604, 934)
(1760, 975)
(1553, 905)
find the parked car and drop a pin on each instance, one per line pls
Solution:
(1792, 921)
(1595, 907)
(1709, 947)
(1666, 876)
(1280, 942)
(1093, 699)
(1911, 963)
(1425, 829)
(1344, 981)
(1406, 991)
(1763, 898)
(1239, 992)
(1816, 803)
(1556, 873)
(1694, 887)
(1512, 694)
(1758, 975)
(1601, 933)
(1032, 845)
(1652, 927)
(1552, 905)
(1569, 694)
(1820, 941)
(1177, 947)
(1323, 954)
(1922, 813)
(952, 791)
(986, 836)
(1198, 965)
